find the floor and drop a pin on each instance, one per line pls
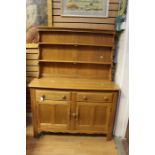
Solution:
(61, 144)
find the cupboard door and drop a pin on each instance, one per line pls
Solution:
(54, 115)
(93, 117)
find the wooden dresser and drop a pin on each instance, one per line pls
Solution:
(74, 92)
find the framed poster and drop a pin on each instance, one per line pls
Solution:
(85, 8)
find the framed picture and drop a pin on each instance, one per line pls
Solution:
(85, 8)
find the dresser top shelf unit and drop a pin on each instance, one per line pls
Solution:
(74, 84)
(80, 53)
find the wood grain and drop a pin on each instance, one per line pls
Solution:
(75, 70)
(32, 69)
(75, 54)
(32, 62)
(60, 19)
(76, 38)
(32, 74)
(34, 113)
(31, 51)
(32, 56)
(74, 84)
(94, 97)
(85, 26)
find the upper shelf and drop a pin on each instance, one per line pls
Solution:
(77, 62)
(75, 44)
(75, 38)
(77, 30)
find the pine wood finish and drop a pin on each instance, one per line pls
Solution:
(72, 106)
(76, 53)
(32, 69)
(74, 92)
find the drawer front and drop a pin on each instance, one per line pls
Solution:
(94, 97)
(42, 95)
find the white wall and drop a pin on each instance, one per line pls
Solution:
(121, 78)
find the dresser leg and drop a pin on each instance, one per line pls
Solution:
(36, 134)
(109, 137)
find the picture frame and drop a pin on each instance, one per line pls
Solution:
(85, 8)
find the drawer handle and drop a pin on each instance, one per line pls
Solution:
(85, 98)
(101, 57)
(74, 115)
(106, 98)
(64, 97)
(41, 98)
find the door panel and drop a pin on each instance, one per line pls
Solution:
(54, 115)
(92, 116)
(85, 115)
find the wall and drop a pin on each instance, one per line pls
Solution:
(36, 15)
(121, 78)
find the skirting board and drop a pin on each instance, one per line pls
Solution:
(119, 145)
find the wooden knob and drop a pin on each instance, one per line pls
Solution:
(64, 97)
(101, 57)
(106, 98)
(74, 114)
(85, 98)
(41, 98)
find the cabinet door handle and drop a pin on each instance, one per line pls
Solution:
(64, 97)
(41, 98)
(101, 57)
(74, 115)
(85, 98)
(105, 98)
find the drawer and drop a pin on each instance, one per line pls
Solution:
(94, 97)
(42, 95)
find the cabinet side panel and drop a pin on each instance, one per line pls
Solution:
(112, 116)
(34, 112)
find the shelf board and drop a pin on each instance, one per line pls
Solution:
(77, 62)
(77, 30)
(74, 84)
(31, 45)
(74, 44)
